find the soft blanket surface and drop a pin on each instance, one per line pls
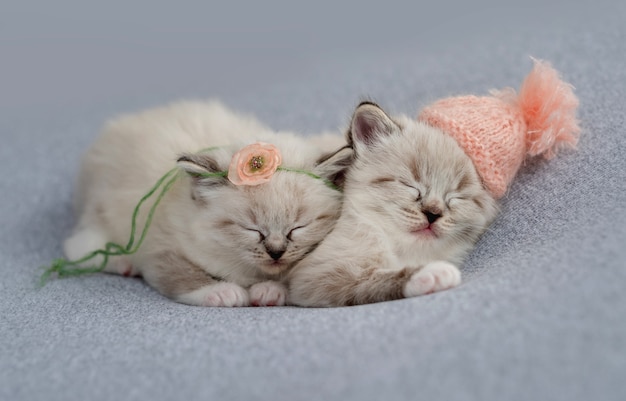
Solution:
(541, 314)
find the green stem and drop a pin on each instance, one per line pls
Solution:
(328, 183)
(67, 268)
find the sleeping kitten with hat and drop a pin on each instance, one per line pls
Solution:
(420, 193)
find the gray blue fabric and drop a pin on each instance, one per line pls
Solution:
(541, 314)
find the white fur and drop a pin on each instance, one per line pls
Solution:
(435, 276)
(212, 227)
(376, 251)
(268, 293)
(220, 294)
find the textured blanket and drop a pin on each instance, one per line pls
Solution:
(541, 313)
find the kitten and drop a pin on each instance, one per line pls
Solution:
(413, 208)
(210, 243)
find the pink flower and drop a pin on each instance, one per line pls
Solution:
(255, 164)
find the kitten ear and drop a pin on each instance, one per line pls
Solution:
(196, 165)
(333, 166)
(369, 123)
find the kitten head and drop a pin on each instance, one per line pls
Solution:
(266, 229)
(417, 184)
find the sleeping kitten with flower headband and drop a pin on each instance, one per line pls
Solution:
(229, 228)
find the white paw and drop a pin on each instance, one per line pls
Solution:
(82, 243)
(268, 293)
(224, 294)
(435, 276)
(85, 242)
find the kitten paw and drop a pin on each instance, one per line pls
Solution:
(224, 294)
(268, 293)
(82, 243)
(434, 277)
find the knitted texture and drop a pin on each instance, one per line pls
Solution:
(497, 132)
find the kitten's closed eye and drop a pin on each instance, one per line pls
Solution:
(415, 191)
(258, 233)
(390, 181)
(454, 200)
(295, 229)
(262, 236)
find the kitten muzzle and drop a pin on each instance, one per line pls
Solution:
(275, 253)
(426, 231)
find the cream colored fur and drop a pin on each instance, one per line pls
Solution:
(384, 247)
(208, 243)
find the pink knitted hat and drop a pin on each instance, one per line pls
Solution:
(497, 132)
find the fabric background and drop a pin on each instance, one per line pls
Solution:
(541, 314)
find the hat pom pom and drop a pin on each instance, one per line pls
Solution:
(548, 105)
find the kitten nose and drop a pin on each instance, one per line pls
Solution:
(431, 217)
(275, 253)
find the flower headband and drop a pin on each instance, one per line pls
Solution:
(253, 165)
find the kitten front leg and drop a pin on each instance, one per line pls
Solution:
(268, 293)
(346, 285)
(179, 278)
(434, 277)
